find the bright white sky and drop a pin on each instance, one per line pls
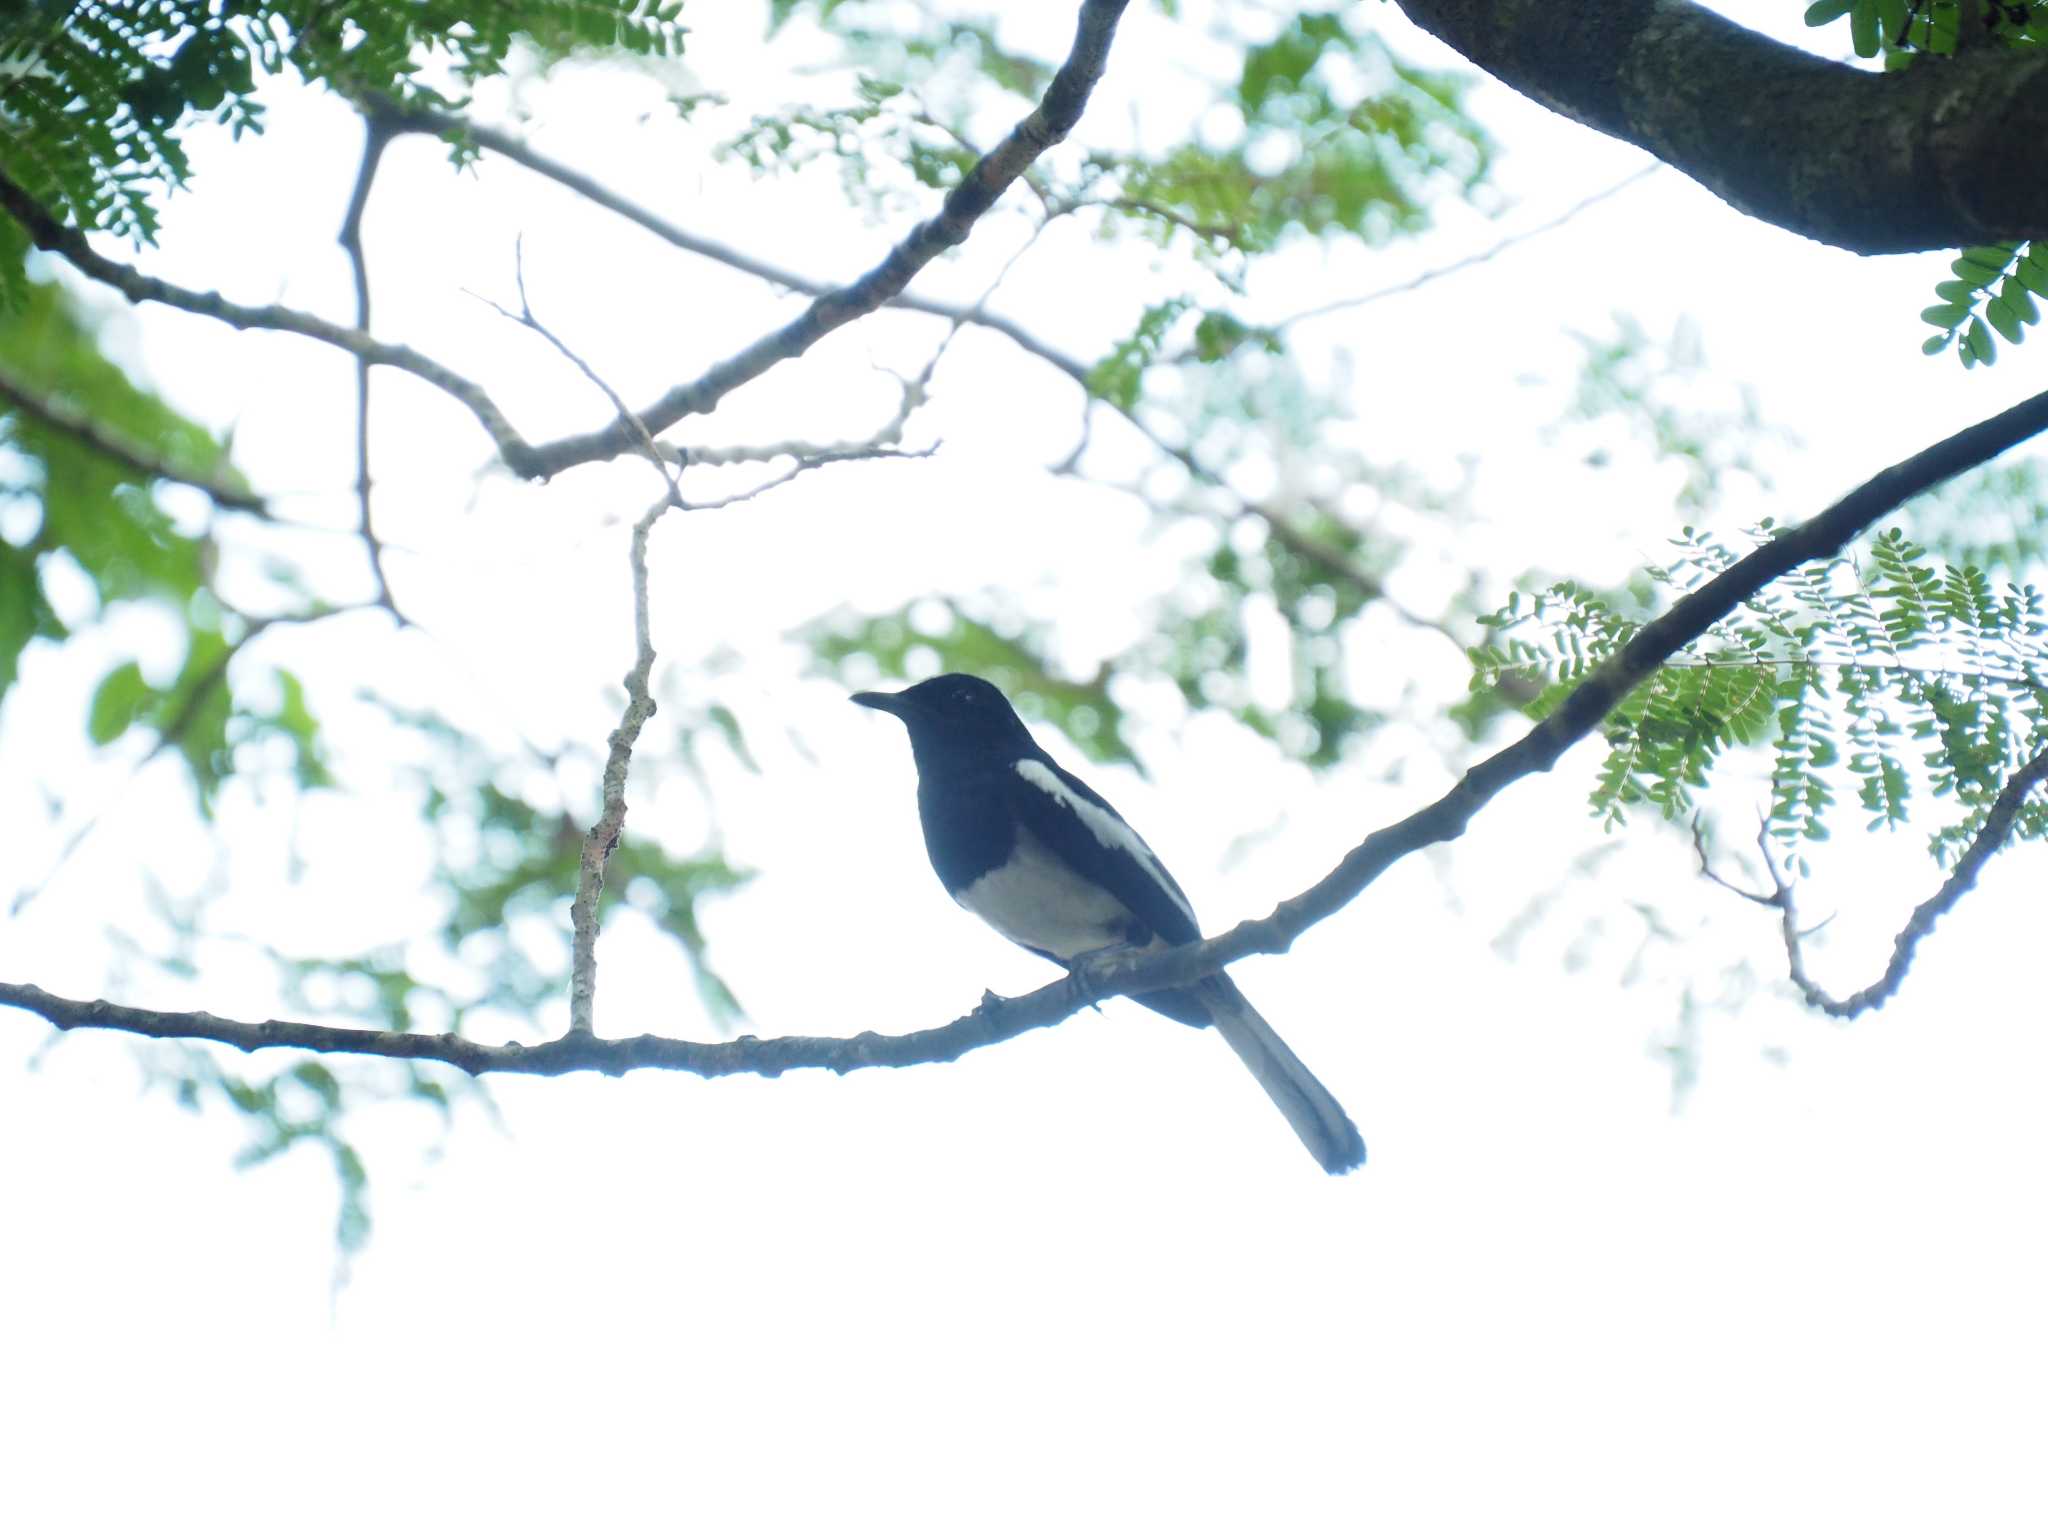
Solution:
(1085, 1281)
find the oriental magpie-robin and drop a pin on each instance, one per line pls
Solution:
(1049, 864)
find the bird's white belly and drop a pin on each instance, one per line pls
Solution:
(1037, 901)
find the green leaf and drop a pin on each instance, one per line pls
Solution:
(1936, 344)
(1946, 316)
(1863, 28)
(2013, 294)
(2005, 322)
(1978, 344)
(116, 703)
(1821, 12)
(24, 612)
(1994, 257)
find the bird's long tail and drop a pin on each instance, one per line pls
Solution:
(1318, 1119)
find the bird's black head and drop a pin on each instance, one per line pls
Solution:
(955, 720)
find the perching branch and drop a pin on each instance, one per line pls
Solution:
(1925, 158)
(1992, 836)
(1819, 538)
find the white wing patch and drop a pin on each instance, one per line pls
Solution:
(1035, 900)
(1110, 831)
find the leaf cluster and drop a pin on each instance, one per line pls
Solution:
(1887, 678)
(1993, 289)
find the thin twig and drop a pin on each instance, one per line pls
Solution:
(376, 139)
(1992, 836)
(1477, 258)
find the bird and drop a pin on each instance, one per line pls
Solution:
(1048, 863)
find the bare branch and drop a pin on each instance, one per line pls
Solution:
(417, 119)
(413, 118)
(1045, 126)
(1699, 849)
(605, 832)
(1998, 824)
(376, 139)
(1446, 818)
(119, 447)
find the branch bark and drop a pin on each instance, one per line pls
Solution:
(1998, 824)
(1931, 157)
(1444, 819)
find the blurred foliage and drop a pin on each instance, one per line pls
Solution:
(1335, 136)
(1646, 387)
(67, 500)
(941, 635)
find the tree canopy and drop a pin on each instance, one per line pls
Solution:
(180, 597)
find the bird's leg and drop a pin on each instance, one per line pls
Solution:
(1088, 964)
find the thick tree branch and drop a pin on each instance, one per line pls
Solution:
(1446, 818)
(1924, 158)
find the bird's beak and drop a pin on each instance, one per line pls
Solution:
(887, 703)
